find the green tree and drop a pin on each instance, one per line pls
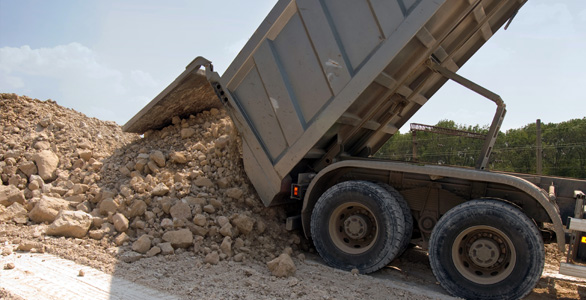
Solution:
(564, 148)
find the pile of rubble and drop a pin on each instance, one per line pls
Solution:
(179, 189)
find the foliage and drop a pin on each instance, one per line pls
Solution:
(563, 144)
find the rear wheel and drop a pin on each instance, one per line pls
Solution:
(486, 249)
(357, 224)
(406, 215)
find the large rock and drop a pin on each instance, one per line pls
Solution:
(10, 194)
(153, 251)
(97, 234)
(181, 210)
(28, 246)
(85, 206)
(104, 194)
(160, 190)
(138, 208)
(36, 182)
(15, 212)
(166, 223)
(121, 239)
(130, 257)
(187, 133)
(226, 246)
(108, 206)
(226, 230)
(200, 220)
(222, 220)
(182, 238)
(178, 158)
(166, 248)
(159, 158)
(217, 204)
(45, 122)
(28, 168)
(42, 145)
(223, 183)
(143, 244)
(78, 189)
(212, 258)
(70, 224)
(120, 222)
(85, 154)
(47, 163)
(222, 142)
(235, 193)
(47, 209)
(76, 199)
(282, 266)
(203, 182)
(140, 164)
(244, 223)
(3, 215)
(152, 166)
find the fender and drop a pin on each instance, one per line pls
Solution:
(318, 186)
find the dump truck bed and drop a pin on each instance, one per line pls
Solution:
(188, 94)
(323, 79)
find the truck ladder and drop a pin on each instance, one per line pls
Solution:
(575, 264)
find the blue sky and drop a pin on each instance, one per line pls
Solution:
(107, 59)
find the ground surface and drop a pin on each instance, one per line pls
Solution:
(186, 276)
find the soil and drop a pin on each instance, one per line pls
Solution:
(187, 276)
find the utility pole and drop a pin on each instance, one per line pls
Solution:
(414, 136)
(539, 149)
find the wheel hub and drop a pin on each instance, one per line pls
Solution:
(356, 226)
(484, 252)
(353, 228)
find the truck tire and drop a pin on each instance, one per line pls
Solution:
(406, 215)
(486, 249)
(357, 225)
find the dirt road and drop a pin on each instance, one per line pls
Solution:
(186, 276)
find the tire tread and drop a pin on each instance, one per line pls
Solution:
(526, 228)
(386, 202)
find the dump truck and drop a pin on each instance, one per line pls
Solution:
(323, 84)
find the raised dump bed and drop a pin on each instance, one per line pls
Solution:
(320, 79)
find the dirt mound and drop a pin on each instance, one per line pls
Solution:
(180, 189)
